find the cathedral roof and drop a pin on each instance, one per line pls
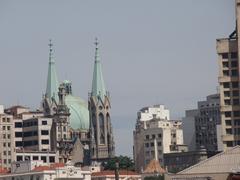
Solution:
(52, 80)
(98, 86)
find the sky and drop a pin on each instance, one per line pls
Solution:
(152, 52)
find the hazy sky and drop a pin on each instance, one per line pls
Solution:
(152, 52)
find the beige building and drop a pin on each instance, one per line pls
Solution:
(228, 53)
(6, 139)
(219, 167)
(167, 134)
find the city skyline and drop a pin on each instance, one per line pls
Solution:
(153, 49)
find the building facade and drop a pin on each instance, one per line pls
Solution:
(6, 139)
(167, 133)
(200, 125)
(228, 60)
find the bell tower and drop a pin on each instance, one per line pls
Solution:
(101, 135)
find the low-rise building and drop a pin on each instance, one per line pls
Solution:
(221, 167)
(36, 170)
(110, 175)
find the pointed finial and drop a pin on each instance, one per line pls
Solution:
(50, 49)
(96, 49)
(96, 42)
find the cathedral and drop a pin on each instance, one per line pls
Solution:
(81, 132)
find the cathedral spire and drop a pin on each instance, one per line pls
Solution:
(52, 81)
(98, 86)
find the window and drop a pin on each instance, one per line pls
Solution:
(224, 55)
(5, 153)
(4, 144)
(44, 122)
(44, 158)
(234, 55)
(159, 135)
(234, 64)
(235, 101)
(235, 84)
(9, 152)
(235, 93)
(146, 145)
(51, 159)
(236, 113)
(8, 128)
(225, 64)
(44, 132)
(237, 131)
(229, 144)
(4, 128)
(226, 93)
(18, 144)
(18, 134)
(45, 141)
(226, 85)
(228, 114)
(19, 158)
(237, 122)
(227, 102)
(234, 72)
(152, 144)
(8, 119)
(153, 136)
(35, 157)
(159, 143)
(228, 122)
(147, 136)
(225, 73)
(229, 131)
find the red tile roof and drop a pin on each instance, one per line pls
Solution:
(51, 167)
(3, 170)
(109, 173)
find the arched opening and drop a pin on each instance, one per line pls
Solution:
(101, 128)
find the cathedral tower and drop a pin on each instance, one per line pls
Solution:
(50, 98)
(101, 143)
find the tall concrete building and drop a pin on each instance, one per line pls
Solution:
(101, 134)
(6, 139)
(200, 125)
(228, 60)
(153, 125)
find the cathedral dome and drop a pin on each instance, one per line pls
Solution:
(79, 114)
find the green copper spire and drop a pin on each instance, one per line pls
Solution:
(98, 86)
(52, 81)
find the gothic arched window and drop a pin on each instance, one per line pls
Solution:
(101, 129)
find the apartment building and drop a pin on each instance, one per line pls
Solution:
(153, 125)
(200, 126)
(6, 139)
(228, 60)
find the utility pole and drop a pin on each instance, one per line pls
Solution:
(116, 169)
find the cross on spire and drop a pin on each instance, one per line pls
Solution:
(50, 49)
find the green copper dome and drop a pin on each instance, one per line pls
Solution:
(79, 114)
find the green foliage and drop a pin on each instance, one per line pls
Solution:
(125, 163)
(154, 178)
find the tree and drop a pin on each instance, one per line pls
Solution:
(125, 163)
(154, 178)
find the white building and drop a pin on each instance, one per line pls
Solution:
(153, 124)
(36, 170)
